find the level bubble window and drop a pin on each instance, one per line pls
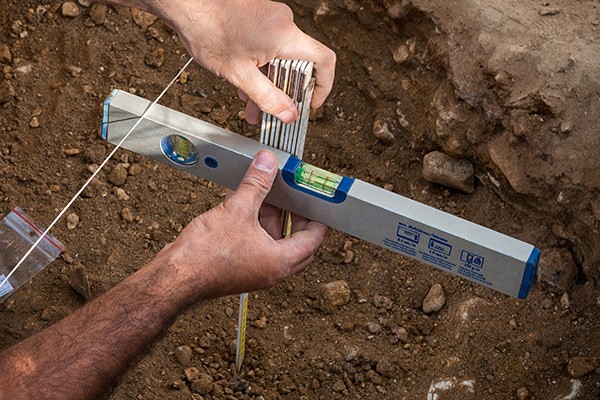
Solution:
(317, 179)
(179, 149)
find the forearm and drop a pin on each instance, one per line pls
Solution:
(83, 355)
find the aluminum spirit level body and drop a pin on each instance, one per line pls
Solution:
(350, 205)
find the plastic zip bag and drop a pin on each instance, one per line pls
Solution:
(18, 233)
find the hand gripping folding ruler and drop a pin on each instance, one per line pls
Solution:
(350, 205)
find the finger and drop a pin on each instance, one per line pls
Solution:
(257, 182)
(270, 219)
(249, 79)
(252, 113)
(303, 244)
(305, 47)
(243, 96)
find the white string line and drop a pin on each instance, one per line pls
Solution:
(43, 235)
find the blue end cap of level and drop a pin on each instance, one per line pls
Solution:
(105, 109)
(289, 171)
(529, 273)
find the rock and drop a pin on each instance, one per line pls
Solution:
(191, 373)
(74, 70)
(383, 302)
(72, 221)
(126, 214)
(508, 161)
(203, 385)
(581, 366)
(435, 299)
(72, 152)
(455, 173)
(134, 169)
(197, 103)
(142, 18)
(382, 132)
(374, 327)
(156, 58)
(335, 294)
(98, 13)
(286, 385)
(69, 9)
(5, 56)
(121, 195)
(79, 281)
(7, 92)
(183, 354)
(557, 271)
(338, 386)
(402, 334)
(261, 323)
(34, 123)
(118, 174)
(386, 368)
(401, 53)
(522, 393)
(54, 313)
(348, 256)
(85, 3)
(548, 11)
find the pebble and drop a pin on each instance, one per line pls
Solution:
(557, 271)
(5, 56)
(126, 214)
(203, 385)
(383, 302)
(79, 281)
(382, 132)
(286, 386)
(581, 366)
(121, 195)
(522, 393)
(85, 3)
(156, 58)
(335, 294)
(74, 70)
(386, 368)
(374, 327)
(54, 313)
(339, 386)
(197, 103)
(118, 174)
(72, 221)
(134, 169)
(228, 311)
(69, 9)
(72, 152)
(142, 18)
(191, 373)
(7, 92)
(183, 354)
(435, 299)
(34, 123)
(348, 256)
(565, 301)
(261, 323)
(401, 333)
(98, 13)
(401, 53)
(454, 173)
(548, 11)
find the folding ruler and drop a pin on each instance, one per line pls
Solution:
(350, 205)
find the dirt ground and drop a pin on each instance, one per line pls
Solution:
(397, 63)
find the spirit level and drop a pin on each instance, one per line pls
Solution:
(350, 205)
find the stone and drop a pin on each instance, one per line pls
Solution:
(335, 294)
(374, 327)
(126, 214)
(183, 354)
(5, 56)
(383, 302)
(74, 70)
(454, 173)
(286, 386)
(121, 195)
(338, 386)
(79, 281)
(72, 221)
(557, 271)
(549, 11)
(197, 103)
(522, 393)
(203, 385)
(7, 92)
(98, 13)
(435, 299)
(69, 9)
(72, 152)
(54, 313)
(118, 174)
(581, 366)
(386, 368)
(382, 132)
(135, 169)
(85, 3)
(401, 53)
(191, 373)
(156, 58)
(34, 123)
(142, 18)
(261, 323)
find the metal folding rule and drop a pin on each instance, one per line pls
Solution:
(360, 209)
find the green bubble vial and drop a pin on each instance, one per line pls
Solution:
(317, 179)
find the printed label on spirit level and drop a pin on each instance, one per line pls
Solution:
(439, 247)
(407, 234)
(471, 260)
(6, 288)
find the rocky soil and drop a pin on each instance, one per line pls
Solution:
(487, 110)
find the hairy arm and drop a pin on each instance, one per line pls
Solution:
(81, 356)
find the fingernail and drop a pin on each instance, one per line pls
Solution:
(265, 161)
(286, 116)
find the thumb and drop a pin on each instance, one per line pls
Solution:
(265, 94)
(257, 182)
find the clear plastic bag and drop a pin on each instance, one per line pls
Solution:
(18, 233)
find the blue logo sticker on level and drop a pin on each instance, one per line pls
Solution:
(471, 259)
(407, 234)
(439, 247)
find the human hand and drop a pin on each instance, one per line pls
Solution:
(235, 38)
(237, 246)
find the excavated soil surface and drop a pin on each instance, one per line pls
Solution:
(380, 344)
